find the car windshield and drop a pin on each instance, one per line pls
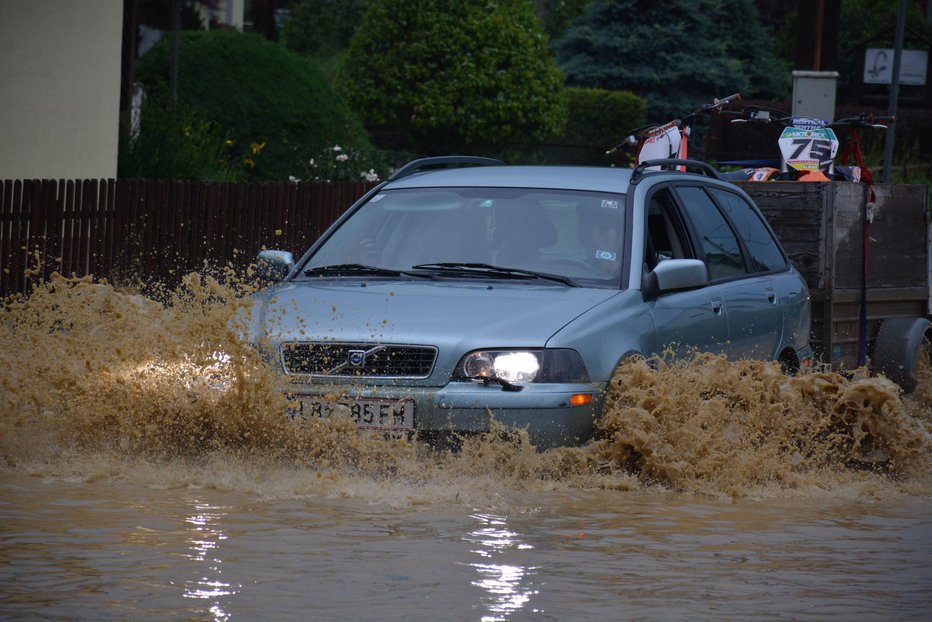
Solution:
(472, 231)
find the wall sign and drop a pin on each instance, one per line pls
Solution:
(878, 66)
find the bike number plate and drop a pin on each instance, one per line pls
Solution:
(808, 149)
(662, 142)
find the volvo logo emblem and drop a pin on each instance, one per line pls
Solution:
(356, 358)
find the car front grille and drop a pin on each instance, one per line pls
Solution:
(358, 359)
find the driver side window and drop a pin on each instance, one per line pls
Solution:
(666, 236)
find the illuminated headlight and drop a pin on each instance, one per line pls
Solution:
(523, 366)
(509, 366)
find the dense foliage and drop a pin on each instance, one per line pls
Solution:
(599, 119)
(454, 76)
(275, 105)
(558, 14)
(322, 26)
(176, 143)
(678, 54)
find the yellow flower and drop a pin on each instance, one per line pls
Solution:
(256, 148)
(249, 163)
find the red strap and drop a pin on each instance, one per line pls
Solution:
(853, 148)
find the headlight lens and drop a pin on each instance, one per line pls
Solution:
(517, 366)
(479, 365)
(523, 366)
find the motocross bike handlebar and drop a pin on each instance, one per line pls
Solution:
(634, 136)
(761, 114)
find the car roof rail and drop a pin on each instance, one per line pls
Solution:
(699, 166)
(425, 163)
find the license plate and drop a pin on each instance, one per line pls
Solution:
(374, 413)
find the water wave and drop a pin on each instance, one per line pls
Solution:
(98, 381)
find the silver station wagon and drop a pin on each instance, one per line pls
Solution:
(449, 296)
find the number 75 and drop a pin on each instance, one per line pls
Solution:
(819, 148)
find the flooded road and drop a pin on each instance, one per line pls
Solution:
(142, 477)
(112, 550)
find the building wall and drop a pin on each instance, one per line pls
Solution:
(230, 12)
(59, 88)
(227, 12)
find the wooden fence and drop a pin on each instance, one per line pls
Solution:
(154, 231)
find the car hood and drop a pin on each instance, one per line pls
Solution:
(455, 314)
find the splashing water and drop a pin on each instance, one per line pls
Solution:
(95, 379)
(736, 427)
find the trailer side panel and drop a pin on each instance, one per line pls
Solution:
(823, 228)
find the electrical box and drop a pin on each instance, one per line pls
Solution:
(814, 94)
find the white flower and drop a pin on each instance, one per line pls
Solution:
(342, 157)
(370, 176)
(293, 179)
(311, 162)
(337, 148)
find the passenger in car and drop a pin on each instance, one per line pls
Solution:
(601, 236)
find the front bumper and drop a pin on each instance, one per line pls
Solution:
(544, 410)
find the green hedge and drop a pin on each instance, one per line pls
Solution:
(176, 143)
(276, 105)
(598, 120)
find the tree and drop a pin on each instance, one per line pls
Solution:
(454, 75)
(277, 107)
(317, 26)
(557, 14)
(678, 54)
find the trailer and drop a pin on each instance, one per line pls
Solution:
(869, 305)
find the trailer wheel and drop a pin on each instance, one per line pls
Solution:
(900, 343)
(789, 364)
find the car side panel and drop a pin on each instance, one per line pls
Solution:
(690, 321)
(755, 316)
(608, 333)
(797, 313)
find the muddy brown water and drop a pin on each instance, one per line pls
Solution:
(144, 477)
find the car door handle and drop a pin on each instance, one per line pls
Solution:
(771, 295)
(717, 306)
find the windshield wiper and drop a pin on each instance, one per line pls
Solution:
(355, 269)
(498, 271)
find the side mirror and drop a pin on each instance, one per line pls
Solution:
(672, 275)
(274, 265)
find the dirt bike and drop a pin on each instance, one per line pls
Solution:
(668, 140)
(808, 148)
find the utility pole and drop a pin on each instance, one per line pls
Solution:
(817, 35)
(176, 50)
(815, 72)
(894, 91)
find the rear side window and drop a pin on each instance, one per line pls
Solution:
(763, 248)
(718, 241)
